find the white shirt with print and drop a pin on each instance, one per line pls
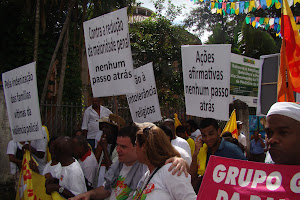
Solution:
(72, 178)
(54, 170)
(120, 188)
(164, 185)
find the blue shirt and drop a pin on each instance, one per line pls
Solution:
(227, 150)
(255, 147)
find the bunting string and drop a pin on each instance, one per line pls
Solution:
(240, 7)
(268, 23)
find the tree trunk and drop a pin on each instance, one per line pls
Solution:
(66, 24)
(61, 81)
(36, 31)
(63, 68)
(83, 61)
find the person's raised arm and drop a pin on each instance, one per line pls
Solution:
(106, 157)
(194, 164)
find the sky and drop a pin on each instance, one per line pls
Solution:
(179, 20)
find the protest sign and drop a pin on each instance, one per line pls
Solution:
(206, 74)
(230, 179)
(143, 104)
(109, 54)
(22, 103)
(244, 79)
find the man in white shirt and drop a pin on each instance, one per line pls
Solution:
(90, 122)
(71, 181)
(177, 141)
(241, 136)
(86, 159)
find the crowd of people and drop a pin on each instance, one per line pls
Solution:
(113, 159)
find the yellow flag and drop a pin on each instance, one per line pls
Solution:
(231, 125)
(32, 185)
(176, 120)
(48, 138)
(201, 160)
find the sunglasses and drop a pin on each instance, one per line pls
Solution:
(146, 131)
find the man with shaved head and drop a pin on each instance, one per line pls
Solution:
(72, 180)
(283, 132)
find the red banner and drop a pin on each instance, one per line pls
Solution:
(230, 179)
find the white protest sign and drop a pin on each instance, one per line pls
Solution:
(109, 54)
(206, 74)
(20, 90)
(144, 105)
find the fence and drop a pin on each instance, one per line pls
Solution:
(66, 119)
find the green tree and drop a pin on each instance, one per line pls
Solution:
(256, 42)
(157, 40)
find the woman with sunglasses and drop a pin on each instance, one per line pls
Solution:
(153, 148)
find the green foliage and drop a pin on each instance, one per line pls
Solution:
(256, 42)
(18, 19)
(157, 40)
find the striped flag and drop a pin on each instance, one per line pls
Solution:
(289, 56)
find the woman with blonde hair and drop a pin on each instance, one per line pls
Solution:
(153, 148)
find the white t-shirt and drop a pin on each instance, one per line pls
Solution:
(122, 191)
(164, 185)
(184, 154)
(89, 166)
(12, 150)
(268, 158)
(242, 140)
(90, 120)
(178, 141)
(40, 145)
(72, 178)
(195, 134)
(54, 170)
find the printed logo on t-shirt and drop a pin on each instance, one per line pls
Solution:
(142, 195)
(61, 177)
(121, 190)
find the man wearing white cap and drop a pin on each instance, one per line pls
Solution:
(283, 132)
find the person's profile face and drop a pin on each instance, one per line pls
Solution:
(126, 150)
(283, 139)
